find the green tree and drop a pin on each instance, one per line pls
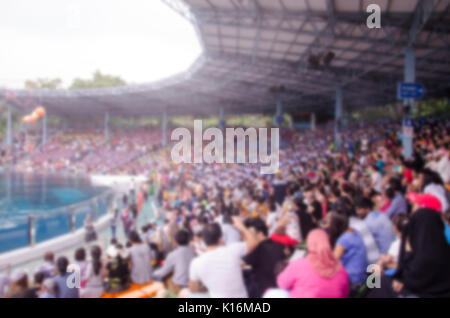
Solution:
(98, 80)
(43, 83)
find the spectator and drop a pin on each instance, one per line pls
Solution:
(141, 260)
(319, 275)
(263, 259)
(19, 285)
(65, 282)
(94, 275)
(379, 224)
(423, 256)
(48, 289)
(220, 265)
(177, 263)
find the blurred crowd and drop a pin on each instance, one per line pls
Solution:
(349, 220)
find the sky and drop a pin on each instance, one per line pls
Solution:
(139, 40)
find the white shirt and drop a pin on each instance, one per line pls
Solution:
(377, 181)
(394, 249)
(220, 271)
(373, 254)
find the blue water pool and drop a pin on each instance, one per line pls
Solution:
(48, 198)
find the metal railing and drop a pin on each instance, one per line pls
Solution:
(41, 226)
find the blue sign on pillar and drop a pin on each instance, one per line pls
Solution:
(279, 119)
(410, 90)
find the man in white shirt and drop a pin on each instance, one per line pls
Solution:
(219, 269)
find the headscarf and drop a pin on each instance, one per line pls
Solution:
(425, 269)
(320, 255)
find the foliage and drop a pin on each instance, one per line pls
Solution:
(98, 80)
(43, 83)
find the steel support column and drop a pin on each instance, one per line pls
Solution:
(337, 119)
(164, 128)
(8, 140)
(44, 129)
(409, 77)
(313, 121)
(106, 126)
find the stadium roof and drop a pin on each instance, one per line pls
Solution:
(251, 48)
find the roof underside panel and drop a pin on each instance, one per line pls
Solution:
(305, 47)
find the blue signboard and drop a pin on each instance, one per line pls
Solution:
(408, 122)
(410, 90)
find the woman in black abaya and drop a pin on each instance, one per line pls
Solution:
(424, 263)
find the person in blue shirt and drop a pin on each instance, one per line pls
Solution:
(379, 224)
(63, 280)
(349, 247)
(398, 204)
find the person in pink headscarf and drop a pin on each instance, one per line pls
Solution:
(318, 275)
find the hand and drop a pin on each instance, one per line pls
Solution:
(237, 222)
(397, 286)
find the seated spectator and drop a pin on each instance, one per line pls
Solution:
(319, 275)
(398, 203)
(65, 282)
(220, 265)
(177, 263)
(19, 285)
(48, 289)
(424, 256)
(141, 259)
(348, 248)
(372, 251)
(263, 259)
(118, 269)
(389, 261)
(379, 224)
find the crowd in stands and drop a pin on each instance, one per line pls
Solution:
(331, 220)
(86, 151)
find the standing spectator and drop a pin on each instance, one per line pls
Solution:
(91, 235)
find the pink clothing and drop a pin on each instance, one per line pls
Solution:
(320, 256)
(302, 281)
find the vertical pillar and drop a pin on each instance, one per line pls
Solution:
(313, 121)
(337, 119)
(107, 126)
(278, 120)
(44, 129)
(164, 128)
(31, 230)
(408, 103)
(221, 118)
(9, 127)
